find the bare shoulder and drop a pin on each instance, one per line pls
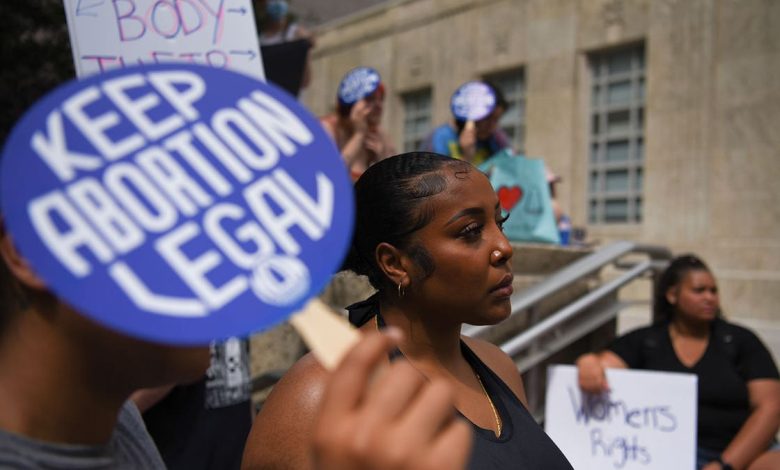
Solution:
(500, 363)
(328, 122)
(281, 432)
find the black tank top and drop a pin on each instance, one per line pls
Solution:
(523, 444)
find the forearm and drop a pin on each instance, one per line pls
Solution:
(354, 149)
(753, 437)
(468, 153)
(389, 148)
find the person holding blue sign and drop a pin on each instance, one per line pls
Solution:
(429, 238)
(474, 135)
(738, 383)
(65, 381)
(355, 126)
(144, 213)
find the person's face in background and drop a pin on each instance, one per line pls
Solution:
(695, 298)
(486, 127)
(375, 102)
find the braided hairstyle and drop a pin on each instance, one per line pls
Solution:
(663, 311)
(392, 201)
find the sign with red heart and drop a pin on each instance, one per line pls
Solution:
(509, 196)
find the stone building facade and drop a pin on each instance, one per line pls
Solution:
(658, 114)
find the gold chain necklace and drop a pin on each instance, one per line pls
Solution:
(492, 406)
(484, 390)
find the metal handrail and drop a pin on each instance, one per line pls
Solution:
(523, 340)
(576, 271)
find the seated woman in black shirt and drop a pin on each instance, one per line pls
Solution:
(739, 391)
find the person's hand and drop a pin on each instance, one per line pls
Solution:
(389, 419)
(468, 141)
(358, 116)
(590, 373)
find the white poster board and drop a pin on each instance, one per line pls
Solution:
(646, 421)
(107, 34)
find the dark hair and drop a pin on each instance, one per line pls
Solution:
(678, 268)
(391, 203)
(35, 54)
(501, 102)
(37, 57)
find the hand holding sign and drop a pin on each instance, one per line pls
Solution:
(177, 203)
(647, 421)
(473, 101)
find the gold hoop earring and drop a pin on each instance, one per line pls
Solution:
(400, 290)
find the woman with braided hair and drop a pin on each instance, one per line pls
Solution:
(428, 237)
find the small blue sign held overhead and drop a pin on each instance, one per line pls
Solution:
(473, 101)
(177, 203)
(357, 84)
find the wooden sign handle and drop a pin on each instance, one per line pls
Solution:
(328, 335)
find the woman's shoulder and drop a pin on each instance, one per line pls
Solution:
(281, 430)
(329, 121)
(722, 324)
(301, 381)
(733, 332)
(499, 362)
(643, 332)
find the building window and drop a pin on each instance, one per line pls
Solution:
(512, 85)
(417, 118)
(616, 136)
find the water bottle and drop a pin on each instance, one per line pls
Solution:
(564, 229)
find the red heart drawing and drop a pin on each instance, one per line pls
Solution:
(509, 196)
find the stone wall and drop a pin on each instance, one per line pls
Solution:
(712, 100)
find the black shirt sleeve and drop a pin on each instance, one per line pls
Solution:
(755, 360)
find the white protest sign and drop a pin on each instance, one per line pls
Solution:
(107, 34)
(646, 421)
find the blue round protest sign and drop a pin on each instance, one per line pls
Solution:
(177, 203)
(473, 101)
(357, 84)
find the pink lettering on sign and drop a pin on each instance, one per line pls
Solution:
(214, 57)
(169, 19)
